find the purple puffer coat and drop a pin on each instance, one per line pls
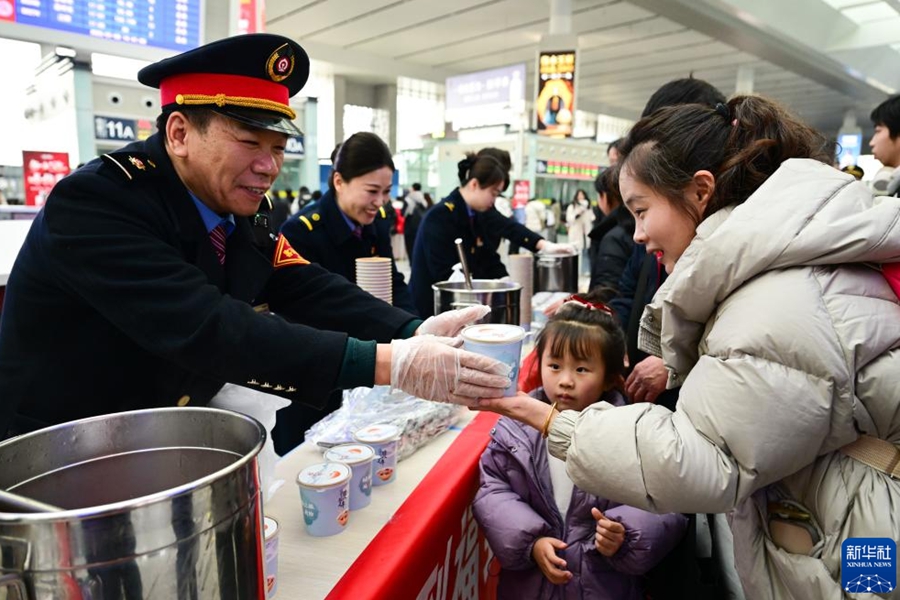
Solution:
(514, 506)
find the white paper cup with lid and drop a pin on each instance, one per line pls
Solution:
(359, 457)
(383, 439)
(270, 536)
(324, 493)
(499, 341)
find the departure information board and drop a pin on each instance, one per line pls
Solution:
(172, 24)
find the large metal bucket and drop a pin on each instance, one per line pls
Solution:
(157, 504)
(501, 296)
(556, 272)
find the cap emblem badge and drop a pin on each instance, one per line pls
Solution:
(281, 63)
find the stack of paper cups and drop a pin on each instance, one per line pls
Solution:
(375, 275)
(521, 270)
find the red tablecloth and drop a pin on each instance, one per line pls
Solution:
(432, 548)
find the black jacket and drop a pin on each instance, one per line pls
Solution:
(611, 243)
(435, 252)
(642, 276)
(320, 233)
(118, 302)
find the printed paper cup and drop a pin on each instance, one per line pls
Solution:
(359, 458)
(383, 439)
(499, 341)
(324, 492)
(270, 533)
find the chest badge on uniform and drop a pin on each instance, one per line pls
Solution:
(285, 255)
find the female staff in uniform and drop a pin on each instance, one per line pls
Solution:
(350, 220)
(468, 213)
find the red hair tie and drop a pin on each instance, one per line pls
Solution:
(588, 304)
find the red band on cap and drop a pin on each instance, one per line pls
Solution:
(210, 84)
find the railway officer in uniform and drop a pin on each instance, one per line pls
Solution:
(151, 277)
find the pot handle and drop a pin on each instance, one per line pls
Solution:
(548, 261)
(16, 586)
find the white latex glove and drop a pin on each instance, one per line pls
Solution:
(450, 323)
(551, 248)
(426, 367)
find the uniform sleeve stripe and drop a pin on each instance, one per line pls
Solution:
(306, 222)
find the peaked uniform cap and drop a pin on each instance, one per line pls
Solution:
(250, 78)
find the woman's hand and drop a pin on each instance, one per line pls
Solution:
(552, 566)
(609, 536)
(520, 407)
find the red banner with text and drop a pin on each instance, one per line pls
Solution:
(41, 171)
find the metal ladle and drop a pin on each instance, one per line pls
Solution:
(462, 261)
(10, 502)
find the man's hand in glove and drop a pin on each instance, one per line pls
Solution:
(450, 323)
(430, 368)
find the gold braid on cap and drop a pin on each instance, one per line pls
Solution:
(242, 101)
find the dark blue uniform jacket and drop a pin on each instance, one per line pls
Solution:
(435, 253)
(117, 302)
(320, 233)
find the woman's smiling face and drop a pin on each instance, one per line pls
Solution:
(662, 227)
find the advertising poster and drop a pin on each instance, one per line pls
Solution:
(249, 20)
(7, 10)
(41, 171)
(555, 103)
(521, 193)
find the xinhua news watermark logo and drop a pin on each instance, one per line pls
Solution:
(869, 565)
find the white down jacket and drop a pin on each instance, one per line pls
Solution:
(785, 339)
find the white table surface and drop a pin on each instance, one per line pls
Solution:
(309, 567)
(12, 235)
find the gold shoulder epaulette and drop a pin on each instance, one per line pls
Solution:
(131, 165)
(450, 206)
(381, 212)
(306, 222)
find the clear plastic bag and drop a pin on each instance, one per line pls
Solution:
(419, 420)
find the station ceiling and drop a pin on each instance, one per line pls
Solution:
(822, 58)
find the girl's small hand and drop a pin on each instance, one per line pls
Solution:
(610, 534)
(521, 407)
(552, 566)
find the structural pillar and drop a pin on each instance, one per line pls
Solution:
(744, 82)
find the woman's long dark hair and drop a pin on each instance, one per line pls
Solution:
(741, 143)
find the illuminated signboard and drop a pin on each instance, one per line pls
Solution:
(171, 24)
(566, 170)
(555, 103)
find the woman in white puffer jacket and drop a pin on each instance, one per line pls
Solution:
(782, 333)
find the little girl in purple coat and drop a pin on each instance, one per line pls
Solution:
(554, 541)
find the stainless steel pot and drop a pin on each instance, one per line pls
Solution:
(501, 296)
(157, 504)
(556, 272)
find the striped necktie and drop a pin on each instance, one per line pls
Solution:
(357, 232)
(217, 237)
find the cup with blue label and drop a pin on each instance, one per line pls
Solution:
(384, 439)
(359, 458)
(325, 496)
(499, 341)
